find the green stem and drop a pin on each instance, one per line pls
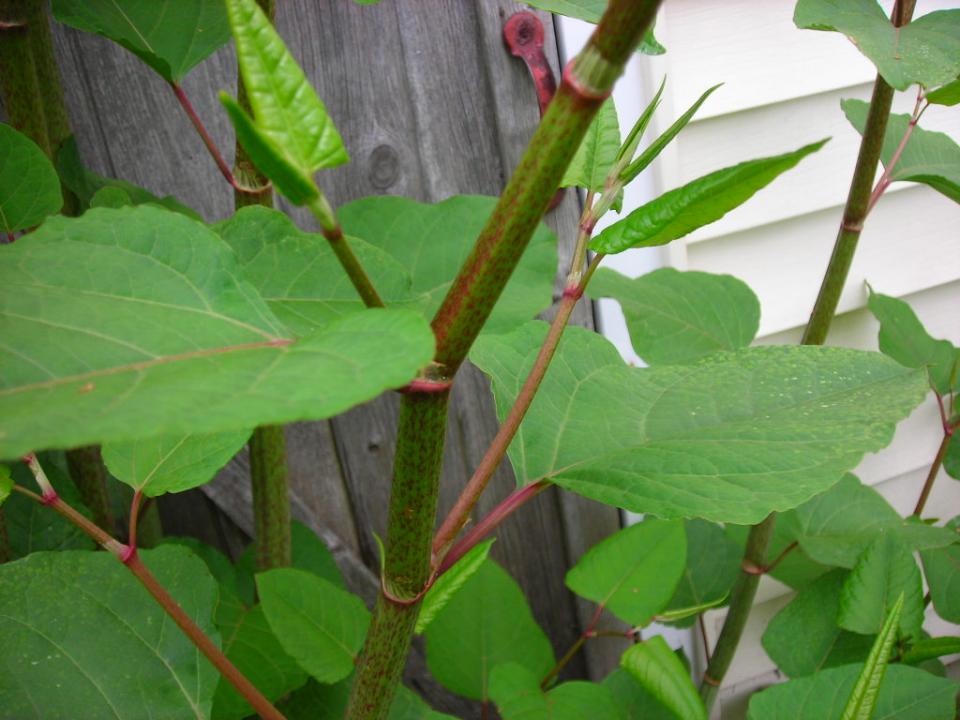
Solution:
(90, 476)
(6, 554)
(271, 498)
(741, 602)
(932, 474)
(19, 80)
(587, 82)
(406, 565)
(854, 213)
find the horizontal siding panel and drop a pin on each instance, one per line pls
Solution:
(911, 242)
(819, 182)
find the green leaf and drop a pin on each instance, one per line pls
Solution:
(297, 274)
(6, 485)
(115, 195)
(251, 646)
(590, 11)
(630, 143)
(903, 337)
(930, 648)
(517, 694)
(951, 459)
(676, 317)
(217, 563)
(948, 94)
(432, 242)
(29, 186)
(286, 108)
(448, 584)
(863, 699)
(171, 463)
(315, 701)
(597, 152)
(148, 330)
(700, 202)
(885, 571)
(729, 438)
(926, 51)
(931, 158)
(942, 569)
(32, 527)
(657, 146)
(634, 572)
(317, 623)
(171, 36)
(86, 184)
(837, 538)
(81, 635)
(655, 666)
(634, 701)
(804, 637)
(906, 694)
(712, 566)
(485, 624)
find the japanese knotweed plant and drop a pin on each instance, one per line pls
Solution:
(133, 331)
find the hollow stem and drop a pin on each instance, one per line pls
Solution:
(271, 497)
(19, 81)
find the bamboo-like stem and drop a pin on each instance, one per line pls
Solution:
(854, 213)
(271, 497)
(19, 81)
(741, 602)
(932, 474)
(6, 554)
(587, 82)
(127, 555)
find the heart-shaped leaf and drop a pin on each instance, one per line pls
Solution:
(729, 438)
(171, 36)
(29, 186)
(148, 329)
(517, 694)
(925, 51)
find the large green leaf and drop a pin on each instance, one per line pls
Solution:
(885, 571)
(942, 569)
(676, 317)
(948, 94)
(448, 584)
(590, 11)
(171, 463)
(804, 638)
(836, 526)
(866, 692)
(86, 184)
(32, 527)
(432, 241)
(317, 623)
(729, 438)
(251, 646)
(82, 638)
(136, 321)
(931, 158)
(597, 152)
(217, 563)
(517, 694)
(29, 187)
(926, 51)
(297, 273)
(485, 624)
(171, 36)
(655, 666)
(286, 108)
(903, 337)
(700, 202)
(712, 566)
(906, 694)
(634, 701)
(634, 572)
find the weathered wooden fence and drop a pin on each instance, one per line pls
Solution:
(430, 104)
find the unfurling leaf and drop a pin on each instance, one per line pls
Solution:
(597, 152)
(448, 584)
(863, 700)
(657, 668)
